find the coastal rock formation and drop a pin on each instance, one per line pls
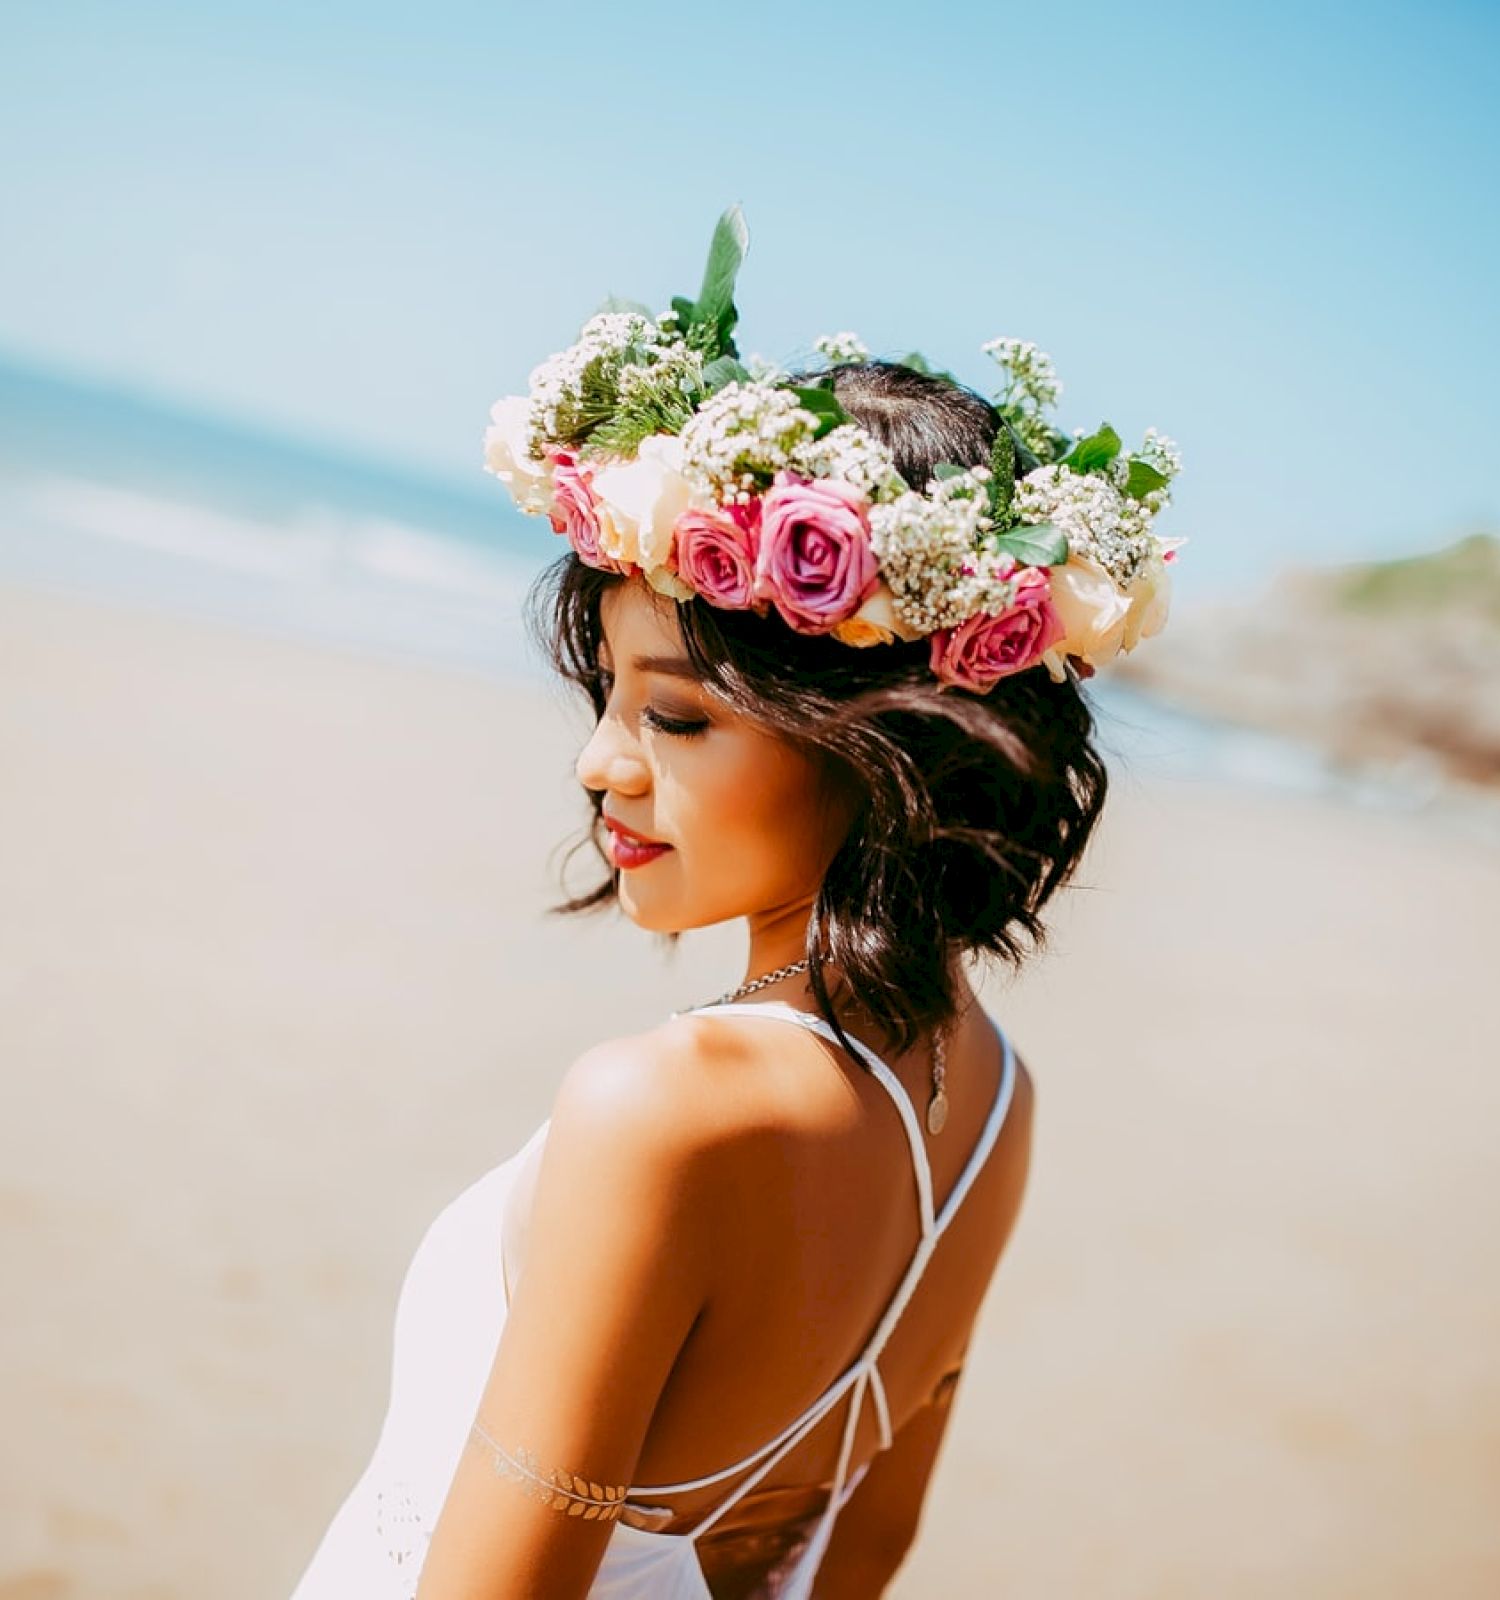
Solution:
(1384, 663)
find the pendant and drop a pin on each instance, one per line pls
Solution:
(937, 1111)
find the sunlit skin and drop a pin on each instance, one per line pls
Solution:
(739, 806)
(626, 1362)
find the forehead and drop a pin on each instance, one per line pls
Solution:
(636, 620)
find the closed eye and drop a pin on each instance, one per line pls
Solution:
(672, 725)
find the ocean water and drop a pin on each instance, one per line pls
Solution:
(115, 495)
(111, 494)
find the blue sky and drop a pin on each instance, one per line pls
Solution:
(1269, 231)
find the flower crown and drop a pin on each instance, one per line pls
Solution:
(655, 451)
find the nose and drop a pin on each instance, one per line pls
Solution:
(612, 760)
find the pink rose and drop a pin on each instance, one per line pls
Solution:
(573, 512)
(716, 553)
(814, 563)
(985, 648)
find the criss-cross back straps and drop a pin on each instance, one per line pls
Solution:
(780, 1009)
(931, 1226)
(864, 1372)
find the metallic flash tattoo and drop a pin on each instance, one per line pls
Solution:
(560, 1490)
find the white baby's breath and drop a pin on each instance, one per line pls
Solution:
(840, 349)
(1098, 520)
(671, 367)
(1033, 379)
(932, 554)
(741, 437)
(588, 373)
(1161, 452)
(855, 455)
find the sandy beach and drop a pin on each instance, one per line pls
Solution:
(277, 981)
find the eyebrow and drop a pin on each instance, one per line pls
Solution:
(671, 666)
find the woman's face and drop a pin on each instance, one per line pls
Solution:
(736, 804)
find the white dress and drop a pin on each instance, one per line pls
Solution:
(451, 1311)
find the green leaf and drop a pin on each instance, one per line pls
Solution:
(726, 253)
(947, 469)
(1097, 450)
(686, 311)
(1143, 479)
(824, 406)
(1040, 545)
(724, 370)
(715, 314)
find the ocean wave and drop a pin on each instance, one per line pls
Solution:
(315, 545)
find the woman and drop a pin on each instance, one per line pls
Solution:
(700, 1336)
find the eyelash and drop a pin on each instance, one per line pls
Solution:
(668, 725)
(680, 730)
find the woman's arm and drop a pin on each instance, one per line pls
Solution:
(617, 1266)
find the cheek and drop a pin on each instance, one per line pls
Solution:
(756, 813)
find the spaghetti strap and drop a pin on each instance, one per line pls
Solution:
(864, 1374)
(897, 1091)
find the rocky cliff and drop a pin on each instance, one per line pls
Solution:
(1381, 663)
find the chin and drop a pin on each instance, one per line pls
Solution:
(648, 918)
(659, 919)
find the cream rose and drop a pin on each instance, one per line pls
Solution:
(1093, 611)
(640, 500)
(875, 622)
(1150, 596)
(507, 454)
(665, 581)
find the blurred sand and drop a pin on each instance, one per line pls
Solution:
(275, 984)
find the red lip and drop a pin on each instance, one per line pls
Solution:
(629, 849)
(630, 833)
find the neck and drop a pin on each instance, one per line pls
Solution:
(779, 938)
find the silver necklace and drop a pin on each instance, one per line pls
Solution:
(937, 1104)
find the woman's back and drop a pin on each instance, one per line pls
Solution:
(828, 1227)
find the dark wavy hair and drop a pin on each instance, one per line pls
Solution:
(969, 810)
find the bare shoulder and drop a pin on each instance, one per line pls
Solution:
(645, 1105)
(621, 1136)
(657, 1086)
(630, 1139)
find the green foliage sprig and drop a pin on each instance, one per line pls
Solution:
(708, 323)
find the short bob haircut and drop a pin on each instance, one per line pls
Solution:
(970, 810)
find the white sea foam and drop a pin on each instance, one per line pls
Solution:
(322, 572)
(315, 544)
(407, 555)
(174, 527)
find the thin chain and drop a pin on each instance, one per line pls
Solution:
(760, 983)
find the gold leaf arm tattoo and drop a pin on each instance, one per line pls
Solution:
(560, 1490)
